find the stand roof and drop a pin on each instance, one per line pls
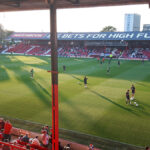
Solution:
(19, 5)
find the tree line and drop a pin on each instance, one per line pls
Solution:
(4, 34)
(109, 29)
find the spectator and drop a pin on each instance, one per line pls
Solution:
(91, 147)
(2, 123)
(35, 141)
(19, 139)
(25, 139)
(60, 147)
(50, 139)
(67, 147)
(7, 130)
(45, 139)
(147, 148)
(47, 129)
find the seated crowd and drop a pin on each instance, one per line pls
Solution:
(78, 51)
(137, 53)
(25, 141)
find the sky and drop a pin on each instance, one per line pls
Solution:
(73, 20)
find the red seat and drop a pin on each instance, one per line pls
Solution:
(21, 142)
(38, 147)
(1, 136)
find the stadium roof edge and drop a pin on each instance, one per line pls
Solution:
(21, 5)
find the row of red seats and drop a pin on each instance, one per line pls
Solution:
(21, 146)
(147, 53)
(19, 48)
(68, 50)
(23, 48)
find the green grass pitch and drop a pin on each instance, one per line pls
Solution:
(99, 109)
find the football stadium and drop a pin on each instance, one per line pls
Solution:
(99, 80)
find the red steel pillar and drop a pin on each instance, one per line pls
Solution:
(54, 73)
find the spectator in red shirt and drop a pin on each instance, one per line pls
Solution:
(7, 130)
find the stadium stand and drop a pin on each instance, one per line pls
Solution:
(19, 48)
(147, 53)
(79, 51)
(37, 50)
(22, 140)
(85, 45)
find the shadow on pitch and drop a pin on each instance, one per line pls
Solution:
(43, 67)
(141, 108)
(116, 104)
(3, 75)
(76, 78)
(36, 89)
(24, 77)
(145, 104)
(141, 84)
(43, 89)
(75, 110)
(99, 71)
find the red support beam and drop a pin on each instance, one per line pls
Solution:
(54, 73)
